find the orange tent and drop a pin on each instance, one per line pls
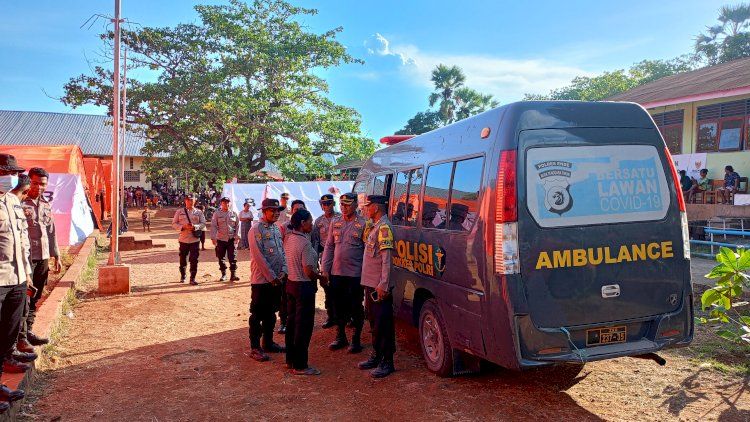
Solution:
(53, 158)
(107, 174)
(96, 181)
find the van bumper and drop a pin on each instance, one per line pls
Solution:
(546, 346)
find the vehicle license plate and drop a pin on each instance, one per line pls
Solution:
(606, 335)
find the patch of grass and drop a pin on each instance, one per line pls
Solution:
(710, 350)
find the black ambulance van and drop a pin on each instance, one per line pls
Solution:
(537, 233)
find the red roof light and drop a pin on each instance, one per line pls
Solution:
(395, 139)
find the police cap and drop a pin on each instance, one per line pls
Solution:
(326, 199)
(285, 195)
(459, 210)
(271, 203)
(377, 199)
(225, 199)
(348, 198)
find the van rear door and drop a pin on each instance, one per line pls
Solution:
(599, 226)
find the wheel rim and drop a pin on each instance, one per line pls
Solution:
(432, 338)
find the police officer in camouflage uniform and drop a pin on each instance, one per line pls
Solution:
(342, 261)
(225, 226)
(43, 245)
(376, 278)
(318, 239)
(268, 270)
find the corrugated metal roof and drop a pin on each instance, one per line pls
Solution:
(92, 133)
(722, 77)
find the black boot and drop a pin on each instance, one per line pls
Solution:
(356, 346)
(341, 341)
(35, 340)
(234, 277)
(25, 357)
(223, 276)
(384, 369)
(372, 362)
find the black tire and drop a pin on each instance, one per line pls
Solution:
(433, 339)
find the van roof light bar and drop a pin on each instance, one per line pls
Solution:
(395, 139)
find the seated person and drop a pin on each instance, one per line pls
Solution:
(731, 184)
(685, 182)
(701, 185)
(458, 216)
(428, 214)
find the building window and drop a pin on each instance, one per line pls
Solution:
(131, 163)
(723, 126)
(132, 176)
(670, 126)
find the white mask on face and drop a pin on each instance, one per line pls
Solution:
(8, 182)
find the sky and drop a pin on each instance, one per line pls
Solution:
(505, 48)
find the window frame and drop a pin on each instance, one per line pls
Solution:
(679, 126)
(479, 194)
(741, 142)
(697, 134)
(391, 203)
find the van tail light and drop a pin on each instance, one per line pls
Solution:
(506, 216)
(681, 203)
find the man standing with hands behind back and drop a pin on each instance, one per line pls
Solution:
(189, 221)
(43, 243)
(376, 278)
(225, 226)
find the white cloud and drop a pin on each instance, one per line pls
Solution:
(507, 79)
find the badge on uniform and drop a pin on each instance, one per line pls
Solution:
(385, 238)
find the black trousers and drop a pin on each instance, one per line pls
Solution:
(301, 311)
(226, 249)
(202, 238)
(191, 249)
(264, 302)
(12, 299)
(282, 300)
(347, 296)
(383, 328)
(329, 303)
(40, 269)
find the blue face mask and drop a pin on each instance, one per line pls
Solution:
(8, 182)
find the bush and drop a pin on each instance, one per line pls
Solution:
(723, 300)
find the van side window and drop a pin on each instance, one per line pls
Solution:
(467, 178)
(412, 205)
(435, 200)
(382, 185)
(398, 210)
(360, 188)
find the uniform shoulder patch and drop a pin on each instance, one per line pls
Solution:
(385, 238)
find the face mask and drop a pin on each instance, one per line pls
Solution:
(8, 182)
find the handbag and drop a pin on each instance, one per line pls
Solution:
(195, 233)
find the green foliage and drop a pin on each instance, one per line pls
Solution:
(221, 97)
(729, 39)
(454, 100)
(721, 301)
(595, 88)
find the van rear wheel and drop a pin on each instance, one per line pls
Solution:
(433, 337)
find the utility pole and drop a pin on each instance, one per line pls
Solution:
(114, 254)
(124, 115)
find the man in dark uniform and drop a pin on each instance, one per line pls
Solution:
(318, 238)
(342, 260)
(458, 216)
(429, 212)
(225, 226)
(376, 279)
(268, 270)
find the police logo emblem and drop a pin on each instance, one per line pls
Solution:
(557, 195)
(439, 260)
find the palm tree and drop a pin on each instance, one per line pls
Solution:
(447, 80)
(729, 39)
(470, 102)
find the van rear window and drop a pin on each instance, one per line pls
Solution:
(570, 186)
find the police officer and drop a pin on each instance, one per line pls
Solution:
(458, 216)
(318, 239)
(224, 230)
(268, 270)
(189, 221)
(43, 242)
(378, 285)
(342, 260)
(286, 214)
(429, 212)
(15, 273)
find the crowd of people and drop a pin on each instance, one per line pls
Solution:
(691, 187)
(347, 254)
(28, 248)
(161, 195)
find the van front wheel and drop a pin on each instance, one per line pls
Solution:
(433, 338)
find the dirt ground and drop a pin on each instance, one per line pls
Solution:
(173, 352)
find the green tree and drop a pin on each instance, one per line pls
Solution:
(732, 275)
(729, 39)
(447, 80)
(221, 97)
(422, 122)
(470, 102)
(594, 88)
